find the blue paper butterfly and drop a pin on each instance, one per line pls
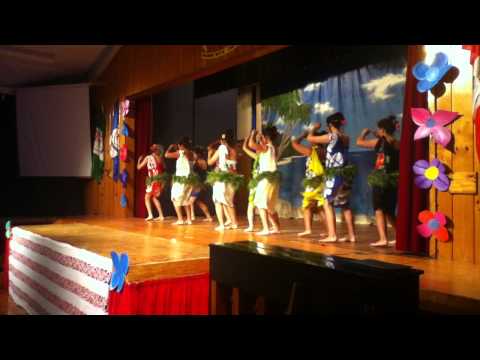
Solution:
(125, 131)
(120, 270)
(124, 178)
(8, 226)
(124, 201)
(430, 75)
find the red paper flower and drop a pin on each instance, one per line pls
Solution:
(433, 224)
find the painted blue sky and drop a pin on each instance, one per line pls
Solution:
(364, 96)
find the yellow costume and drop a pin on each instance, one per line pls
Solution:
(314, 168)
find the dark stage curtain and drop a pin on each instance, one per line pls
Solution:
(179, 296)
(411, 200)
(143, 139)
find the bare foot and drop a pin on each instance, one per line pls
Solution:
(323, 235)
(150, 218)
(353, 239)
(305, 233)
(249, 229)
(263, 233)
(189, 222)
(233, 227)
(275, 231)
(343, 239)
(220, 228)
(160, 218)
(179, 222)
(380, 243)
(208, 219)
(329, 239)
(228, 223)
(393, 242)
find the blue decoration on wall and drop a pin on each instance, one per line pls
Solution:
(430, 75)
(8, 232)
(123, 201)
(125, 130)
(120, 270)
(116, 160)
(124, 178)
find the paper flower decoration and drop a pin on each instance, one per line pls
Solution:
(123, 201)
(125, 130)
(433, 125)
(124, 178)
(428, 174)
(124, 152)
(430, 75)
(120, 270)
(125, 107)
(432, 224)
(8, 227)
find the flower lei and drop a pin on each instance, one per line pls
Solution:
(192, 180)
(313, 182)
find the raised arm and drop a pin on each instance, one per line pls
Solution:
(257, 147)
(212, 156)
(317, 139)
(363, 142)
(297, 145)
(245, 148)
(172, 152)
(141, 162)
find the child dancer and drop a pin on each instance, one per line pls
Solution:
(384, 178)
(155, 181)
(181, 187)
(266, 192)
(224, 183)
(337, 185)
(314, 179)
(200, 168)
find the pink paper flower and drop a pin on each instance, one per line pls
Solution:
(433, 125)
(433, 224)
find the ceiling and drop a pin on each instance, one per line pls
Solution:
(24, 65)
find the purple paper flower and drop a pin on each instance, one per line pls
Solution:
(431, 173)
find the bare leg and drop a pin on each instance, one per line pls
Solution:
(347, 214)
(331, 226)
(192, 209)
(233, 217)
(205, 210)
(273, 217)
(250, 217)
(392, 219)
(228, 221)
(159, 209)
(307, 218)
(263, 217)
(178, 210)
(323, 219)
(381, 229)
(148, 205)
(219, 211)
(189, 214)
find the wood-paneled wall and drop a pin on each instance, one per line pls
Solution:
(462, 210)
(142, 70)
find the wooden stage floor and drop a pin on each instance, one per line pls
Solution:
(161, 250)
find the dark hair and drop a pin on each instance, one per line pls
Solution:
(336, 120)
(389, 124)
(228, 137)
(185, 142)
(271, 132)
(200, 152)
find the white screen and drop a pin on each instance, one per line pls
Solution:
(53, 130)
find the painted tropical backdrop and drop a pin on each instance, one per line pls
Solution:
(364, 96)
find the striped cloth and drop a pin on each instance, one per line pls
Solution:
(51, 277)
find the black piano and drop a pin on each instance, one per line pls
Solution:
(248, 277)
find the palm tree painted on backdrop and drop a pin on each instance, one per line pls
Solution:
(289, 112)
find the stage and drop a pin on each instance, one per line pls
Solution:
(160, 252)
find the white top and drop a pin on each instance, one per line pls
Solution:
(225, 164)
(183, 166)
(267, 160)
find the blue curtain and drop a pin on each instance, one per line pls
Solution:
(364, 96)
